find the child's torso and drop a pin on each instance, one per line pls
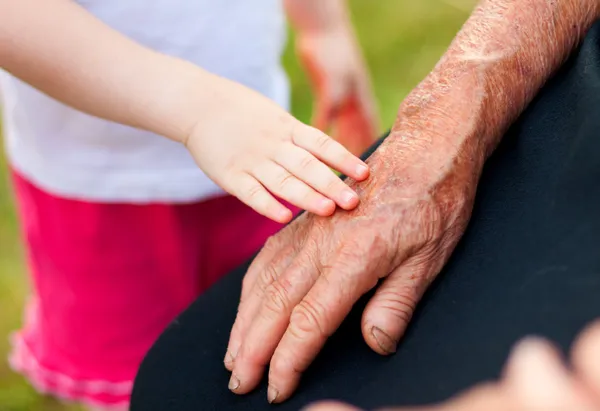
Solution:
(74, 155)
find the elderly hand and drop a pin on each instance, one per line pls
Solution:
(414, 207)
(412, 213)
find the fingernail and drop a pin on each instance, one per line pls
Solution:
(284, 214)
(348, 197)
(233, 350)
(326, 204)
(234, 383)
(272, 394)
(228, 358)
(385, 342)
(362, 170)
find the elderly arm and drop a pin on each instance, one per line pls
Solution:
(494, 67)
(414, 208)
(64, 51)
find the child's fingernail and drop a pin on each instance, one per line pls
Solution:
(326, 204)
(284, 214)
(362, 170)
(349, 197)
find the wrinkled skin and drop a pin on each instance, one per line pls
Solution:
(307, 278)
(414, 207)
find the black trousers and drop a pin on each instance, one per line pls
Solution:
(529, 263)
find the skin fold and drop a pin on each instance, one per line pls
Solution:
(414, 207)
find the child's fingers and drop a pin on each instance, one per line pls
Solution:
(331, 152)
(313, 172)
(252, 193)
(283, 184)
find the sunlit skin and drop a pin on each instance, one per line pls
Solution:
(242, 140)
(414, 207)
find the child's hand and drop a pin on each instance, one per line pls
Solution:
(340, 80)
(250, 146)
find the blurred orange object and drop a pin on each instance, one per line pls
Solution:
(344, 104)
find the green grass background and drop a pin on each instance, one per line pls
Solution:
(401, 39)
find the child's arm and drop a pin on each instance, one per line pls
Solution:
(328, 47)
(242, 140)
(61, 49)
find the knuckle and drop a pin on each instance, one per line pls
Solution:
(266, 277)
(278, 298)
(308, 318)
(253, 191)
(307, 162)
(323, 142)
(285, 180)
(273, 243)
(402, 310)
(295, 131)
(283, 364)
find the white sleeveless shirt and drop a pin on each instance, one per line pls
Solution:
(73, 155)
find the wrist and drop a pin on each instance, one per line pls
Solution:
(184, 95)
(494, 67)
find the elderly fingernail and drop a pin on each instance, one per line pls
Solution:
(272, 394)
(228, 358)
(234, 383)
(385, 342)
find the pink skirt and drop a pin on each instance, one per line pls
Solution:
(108, 278)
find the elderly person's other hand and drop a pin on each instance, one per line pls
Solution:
(535, 379)
(415, 206)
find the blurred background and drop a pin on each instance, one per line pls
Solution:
(401, 39)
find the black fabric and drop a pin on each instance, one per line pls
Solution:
(529, 263)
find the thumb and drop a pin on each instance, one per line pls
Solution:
(391, 308)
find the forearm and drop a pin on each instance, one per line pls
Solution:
(59, 48)
(492, 70)
(317, 15)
